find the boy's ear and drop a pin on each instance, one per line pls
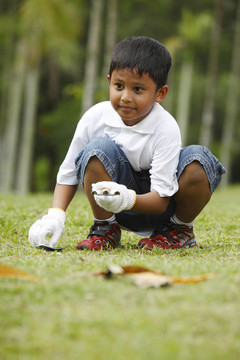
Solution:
(161, 93)
(109, 79)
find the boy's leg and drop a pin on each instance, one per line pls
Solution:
(102, 160)
(193, 194)
(95, 171)
(199, 173)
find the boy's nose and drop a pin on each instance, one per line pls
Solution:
(126, 97)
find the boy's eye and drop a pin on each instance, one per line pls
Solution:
(118, 86)
(138, 89)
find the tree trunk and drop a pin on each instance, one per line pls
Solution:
(93, 47)
(5, 74)
(26, 145)
(231, 104)
(208, 109)
(110, 34)
(184, 98)
(110, 40)
(10, 141)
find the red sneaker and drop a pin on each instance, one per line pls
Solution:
(102, 235)
(170, 236)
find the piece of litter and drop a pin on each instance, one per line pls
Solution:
(49, 248)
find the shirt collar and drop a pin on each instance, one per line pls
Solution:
(146, 126)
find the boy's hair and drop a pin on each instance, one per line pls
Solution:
(144, 55)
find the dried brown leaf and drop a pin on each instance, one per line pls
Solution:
(151, 279)
(11, 272)
(145, 277)
(194, 279)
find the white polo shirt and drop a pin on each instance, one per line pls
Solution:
(154, 143)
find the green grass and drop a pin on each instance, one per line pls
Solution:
(68, 316)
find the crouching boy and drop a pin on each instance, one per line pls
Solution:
(127, 154)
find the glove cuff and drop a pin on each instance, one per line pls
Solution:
(59, 213)
(132, 199)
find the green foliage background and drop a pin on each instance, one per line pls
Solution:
(63, 44)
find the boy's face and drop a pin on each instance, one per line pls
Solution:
(133, 96)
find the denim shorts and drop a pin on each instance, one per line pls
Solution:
(120, 171)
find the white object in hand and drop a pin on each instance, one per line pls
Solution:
(113, 197)
(105, 192)
(51, 225)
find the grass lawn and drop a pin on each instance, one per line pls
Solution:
(68, 316)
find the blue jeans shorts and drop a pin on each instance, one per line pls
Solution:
(120, 171)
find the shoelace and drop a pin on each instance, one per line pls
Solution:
(99, 229)
(165, 230)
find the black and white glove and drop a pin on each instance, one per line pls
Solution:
(113, 197)
(51, 224)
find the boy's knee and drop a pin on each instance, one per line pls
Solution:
(95, 171)
(202, 165)
(195, 174)
(93, 164)
(194, 180)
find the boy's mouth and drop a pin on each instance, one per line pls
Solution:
(125, 108)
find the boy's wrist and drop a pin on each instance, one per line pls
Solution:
(132, 199)
(57, 213)
(56, 208)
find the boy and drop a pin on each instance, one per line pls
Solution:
(127, 154)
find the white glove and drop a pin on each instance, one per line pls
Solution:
(113, 197)
(51, 224)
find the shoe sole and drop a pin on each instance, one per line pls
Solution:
(84, 247)
(190, 244)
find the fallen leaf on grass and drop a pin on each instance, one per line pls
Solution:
(11, 272)
(149, 279)
(146, 278)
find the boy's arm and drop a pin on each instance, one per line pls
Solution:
(150, 203)
(48, 230)
(63, 195)
(115, 198)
